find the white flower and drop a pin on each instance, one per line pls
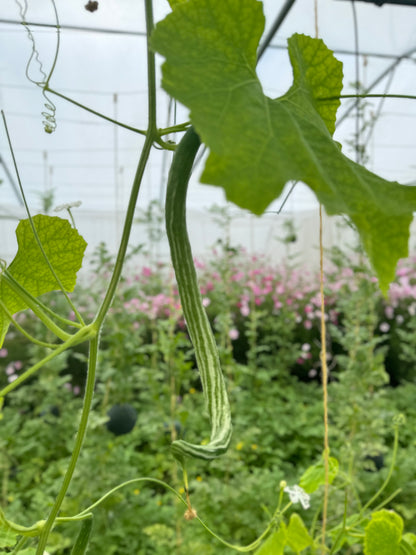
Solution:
(68, 206)
(298, 495)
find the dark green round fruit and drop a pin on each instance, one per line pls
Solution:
(122, 419)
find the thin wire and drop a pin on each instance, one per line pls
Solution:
(377, 115)
(357, 84)
(376, 81)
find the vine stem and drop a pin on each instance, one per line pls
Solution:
(89, 393)
(151, 137)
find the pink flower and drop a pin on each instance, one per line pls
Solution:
(389, 312)
(3, 353)
(237, 277)
(146, 271)
(245, 310)
(10, 369)
(233, 334)
(199, 264)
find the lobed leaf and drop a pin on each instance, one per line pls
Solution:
(64, 248)
(258, 144)
(383, 533)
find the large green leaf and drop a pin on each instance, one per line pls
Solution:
(64, 248)
(258, 144)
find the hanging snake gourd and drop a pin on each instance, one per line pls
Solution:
(198, 325)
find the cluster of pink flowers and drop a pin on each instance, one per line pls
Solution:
(12, 370)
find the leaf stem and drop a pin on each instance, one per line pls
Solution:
(23, 331)
(79, 337)
(390, 472)
(175, 128)
(32, 302)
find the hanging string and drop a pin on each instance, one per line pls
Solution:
(324, 366)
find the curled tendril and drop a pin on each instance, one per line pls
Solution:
(49, 119)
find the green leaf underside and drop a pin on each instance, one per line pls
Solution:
(275, 543)
(383, 533)
(258, 144)
(64, 248)
(314, 476)
(298, 537)
(8, 536)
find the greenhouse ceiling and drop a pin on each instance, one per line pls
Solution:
(101, 63)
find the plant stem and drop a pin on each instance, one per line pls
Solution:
(390, 472)
(79, 337)
(32, 303)
(82, 429)
(151, 136)
(23, 331)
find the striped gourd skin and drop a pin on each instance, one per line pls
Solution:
(199, 328)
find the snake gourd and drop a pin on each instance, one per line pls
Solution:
(197, 322)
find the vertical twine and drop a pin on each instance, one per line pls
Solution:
(323, 352)
(324, 381)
